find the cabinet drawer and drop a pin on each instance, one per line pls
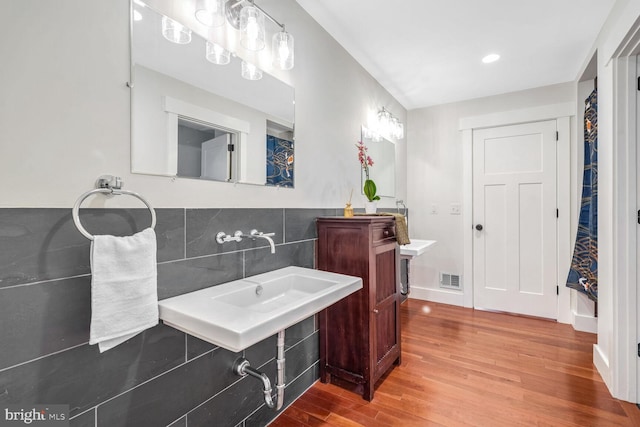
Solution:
(384, 234)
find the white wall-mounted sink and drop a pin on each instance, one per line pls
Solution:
(238, 314)
(415, 248)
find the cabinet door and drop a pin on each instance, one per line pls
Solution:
(385, 307)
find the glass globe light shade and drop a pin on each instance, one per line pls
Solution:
(217, 54)
(282, 50)
(250, 71)
(251, 28)
(210, 12)
(175, 32)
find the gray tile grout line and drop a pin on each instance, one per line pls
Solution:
(39, 282)
(82, 413)
(184, 224)
(284, 225)
(43, 356)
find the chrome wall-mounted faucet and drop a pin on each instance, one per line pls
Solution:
(255, 234)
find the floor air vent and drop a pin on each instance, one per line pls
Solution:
(450, 281)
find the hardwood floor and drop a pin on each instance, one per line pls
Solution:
(462, 367)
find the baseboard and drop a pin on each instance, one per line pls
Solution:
(437, 295)
(584, 323)
(601, 362)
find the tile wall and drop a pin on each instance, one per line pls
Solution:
(160, 377)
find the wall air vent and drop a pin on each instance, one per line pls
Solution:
(450, 281)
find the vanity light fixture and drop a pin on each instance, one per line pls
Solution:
(175, 32)
(389, 125)
(217, 54)
(249, 19)
(210, 12)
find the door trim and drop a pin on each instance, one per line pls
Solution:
(559, 112)
(620, 370)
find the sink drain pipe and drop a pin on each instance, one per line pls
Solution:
(243, 368)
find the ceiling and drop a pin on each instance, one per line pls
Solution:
(429, 52)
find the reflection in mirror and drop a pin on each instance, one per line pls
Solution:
(279, 155)
(383, 171)
(204, 151)
(180, 100)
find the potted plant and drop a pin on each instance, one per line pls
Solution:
(369, 188)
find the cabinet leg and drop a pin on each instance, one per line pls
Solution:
(367, 392)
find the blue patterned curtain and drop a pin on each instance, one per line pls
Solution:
(279, 162)
(583, 275)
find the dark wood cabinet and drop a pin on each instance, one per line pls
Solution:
(360, 335)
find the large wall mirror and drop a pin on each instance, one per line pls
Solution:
(383, 171)
(194, 119)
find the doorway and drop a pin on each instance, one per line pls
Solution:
(514, 215)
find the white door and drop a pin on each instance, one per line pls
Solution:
(215, 158)
(514, 211)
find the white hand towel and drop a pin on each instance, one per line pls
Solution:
(124, 288)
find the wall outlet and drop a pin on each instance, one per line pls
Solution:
(434, 209)
(455, 209)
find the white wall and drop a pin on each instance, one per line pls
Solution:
(435, 168)
(65, 113)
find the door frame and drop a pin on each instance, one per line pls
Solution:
(562, 113)
(622, 371)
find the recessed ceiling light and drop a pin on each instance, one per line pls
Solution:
(491, 58)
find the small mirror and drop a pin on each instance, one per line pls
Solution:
(195, 119)
(383, 172)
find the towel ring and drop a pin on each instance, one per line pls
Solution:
(76, 208)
